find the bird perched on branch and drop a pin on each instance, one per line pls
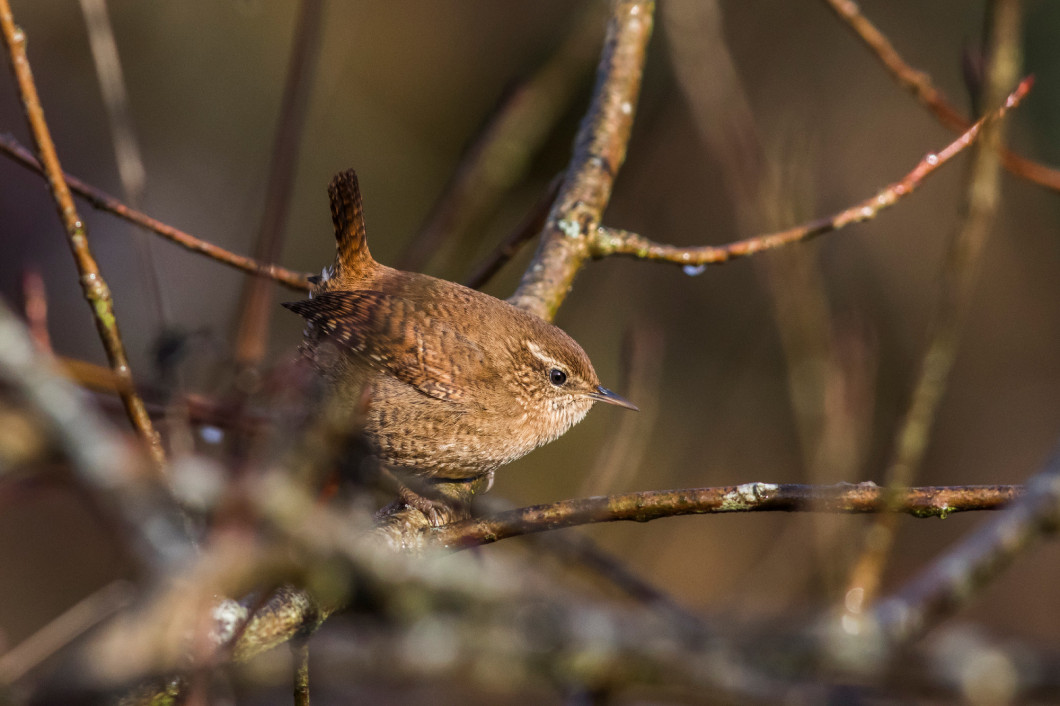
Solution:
(460, 382)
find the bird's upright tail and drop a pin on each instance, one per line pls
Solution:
(352, 257)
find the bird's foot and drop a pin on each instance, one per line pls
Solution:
(437, 511)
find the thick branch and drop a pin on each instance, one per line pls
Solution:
(599, 151)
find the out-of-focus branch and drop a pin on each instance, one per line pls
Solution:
(35, 309)
(105, 202)
(116, 476)
(599, 151)
(531, 225)
(93, 285)
(127, 154)
(256, 305)
(611, 241)
(85, 614)
(920, 85)
(955, 578)
(979, 211)
(938, 501)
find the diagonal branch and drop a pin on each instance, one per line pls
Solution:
(256, 304)
(981, 200)
(611, 241)
(93, 285)
(920, 85)
(10, 147)
(951, 581)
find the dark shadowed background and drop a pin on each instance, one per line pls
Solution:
(403, 86)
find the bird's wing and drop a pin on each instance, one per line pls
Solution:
(398, 337)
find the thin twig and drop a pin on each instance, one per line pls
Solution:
(937, 501)
(920, 85)
(256, 306)
(105, 202)
(599, 151)
(979, 211)
(611, 241)
(93, 285)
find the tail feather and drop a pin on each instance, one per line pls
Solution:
(352, 256)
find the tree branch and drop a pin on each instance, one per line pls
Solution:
(951, 581)
(93, 285)
(935, 501)
(981, 199)
(599, 151)
(611, 241)
(105, 202)
(920, 85)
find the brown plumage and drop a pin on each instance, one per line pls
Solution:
(461, 382)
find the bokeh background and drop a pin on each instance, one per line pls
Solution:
(403, 87)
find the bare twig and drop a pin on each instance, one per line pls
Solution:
(749, 497)
(980, 207)
(93, 285)
(599, 151)
(920, 85)
(611, 241)
(256, 308)
(105, 202)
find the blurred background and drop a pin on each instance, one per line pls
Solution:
(795, 366)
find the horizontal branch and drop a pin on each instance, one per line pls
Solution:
(931, 501)
(105, 202)
(611, 241)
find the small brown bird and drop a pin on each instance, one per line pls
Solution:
(461, 383)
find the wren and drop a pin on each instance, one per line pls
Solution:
(460, 382)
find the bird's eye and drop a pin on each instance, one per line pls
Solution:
(557, 377)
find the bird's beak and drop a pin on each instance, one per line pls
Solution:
(604, 395)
